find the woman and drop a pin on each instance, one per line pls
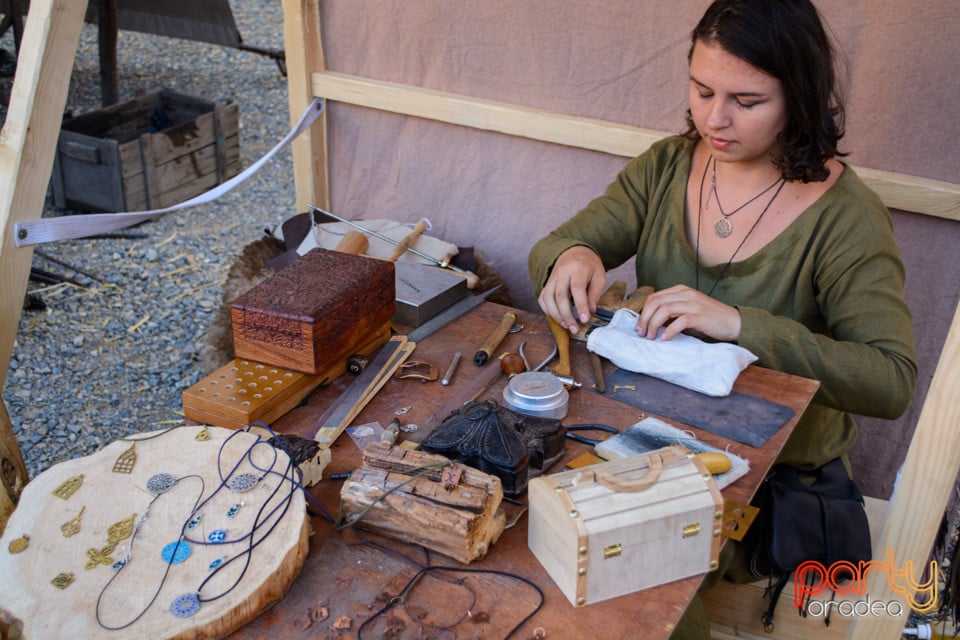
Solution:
(752, 231)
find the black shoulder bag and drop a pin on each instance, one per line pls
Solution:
(823, 521)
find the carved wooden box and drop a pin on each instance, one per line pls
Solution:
(629, 524)
(315, 312)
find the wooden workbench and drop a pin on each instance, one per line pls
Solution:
(355, 574)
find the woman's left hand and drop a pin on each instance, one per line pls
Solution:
(682, 309)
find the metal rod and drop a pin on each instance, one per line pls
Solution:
(437, 261)
(453, 367)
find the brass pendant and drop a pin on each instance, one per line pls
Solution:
(203, 434)
(96, 557)
(72, 526)
(63, 580)
(68, 487)
(18, 545)
(121, 530)
(722, 228)
(127, 460)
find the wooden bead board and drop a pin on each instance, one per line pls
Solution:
(244, 391)
(31, 603)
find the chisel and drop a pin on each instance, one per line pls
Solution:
(493, 341)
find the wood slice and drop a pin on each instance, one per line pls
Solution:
(66, 582)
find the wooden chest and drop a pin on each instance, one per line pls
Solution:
(315, 312)
(147, 153)
(621, 526)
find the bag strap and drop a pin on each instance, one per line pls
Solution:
(774, 589)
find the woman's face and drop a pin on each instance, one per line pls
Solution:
(738, 109)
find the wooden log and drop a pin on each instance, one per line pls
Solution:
(78, 519)
(405, 494)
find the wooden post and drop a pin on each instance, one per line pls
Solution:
(27, 146)
(107, 24)
(303, 48)
(922, 492)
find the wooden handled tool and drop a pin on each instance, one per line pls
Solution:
(472, 279)
(495, 338)
(353, 242)
(562, 338)
(404, 244)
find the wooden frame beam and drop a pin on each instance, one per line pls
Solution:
(301, 24)
(897, 191)
(28, 142)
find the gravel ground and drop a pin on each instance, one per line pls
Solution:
(110, 358)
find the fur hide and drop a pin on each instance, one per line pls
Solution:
(247, 271)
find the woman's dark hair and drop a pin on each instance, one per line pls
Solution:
(786, 39)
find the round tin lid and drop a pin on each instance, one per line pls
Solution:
(536, 393)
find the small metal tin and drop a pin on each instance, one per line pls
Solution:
(537, 393)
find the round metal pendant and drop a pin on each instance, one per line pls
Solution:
(722, 228)
(243, 482)
(160, 483)
(185, 605)
(176, 552)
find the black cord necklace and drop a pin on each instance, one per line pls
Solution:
(723, 271)
(723, 227)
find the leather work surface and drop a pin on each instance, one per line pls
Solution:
(355, 574)
(737, 416)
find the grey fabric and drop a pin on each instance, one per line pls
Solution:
(201, 20)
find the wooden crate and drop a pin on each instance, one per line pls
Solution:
(610, 529)
(147, 153)
(314, 312)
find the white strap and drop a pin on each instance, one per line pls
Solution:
(81, 226)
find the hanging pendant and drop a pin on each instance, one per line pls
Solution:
(176, 552)
(96, 557)
(194, 522)
(126, 460)
(68, 487)
(722, 227)
(72, 526)
(185, 605)
(160, 482)
(122, 530)
(63, 580)
(232, 511)
(217, 536)
(18, 545)
(243, 482)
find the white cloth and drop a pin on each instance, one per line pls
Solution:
(651, 434)
(329, 234)
(710, 368)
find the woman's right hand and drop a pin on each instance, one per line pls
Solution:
(578, 276)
